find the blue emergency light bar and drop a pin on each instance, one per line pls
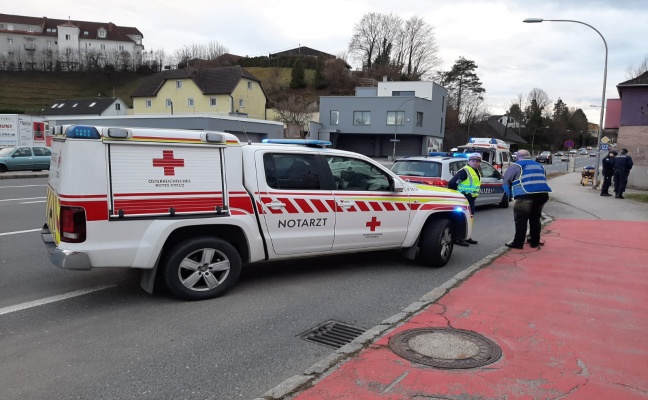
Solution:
(446, 154)
(303, 142)
(82, 132)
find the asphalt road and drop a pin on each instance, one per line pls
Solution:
(118, 342)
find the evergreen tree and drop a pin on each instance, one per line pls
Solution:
(319, 81)
(298, 75)
(461, 82)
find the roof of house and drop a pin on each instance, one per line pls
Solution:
(219, 80)
(301, 51)
(113, 32)
(641, 80)
(93, 106)
(495, 129)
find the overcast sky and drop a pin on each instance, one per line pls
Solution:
(564, 59)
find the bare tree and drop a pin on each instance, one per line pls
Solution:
(293, 111)
(215, 50)
(418, 51)
(633, 72)
(365, 40)
(542, 101)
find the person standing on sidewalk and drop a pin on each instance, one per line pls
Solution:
(468, 181)
(526, 182)
(608, 171)
(622, 166)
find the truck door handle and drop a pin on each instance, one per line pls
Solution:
(276, 204)
(346, 203)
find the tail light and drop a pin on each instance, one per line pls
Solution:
(73, 224)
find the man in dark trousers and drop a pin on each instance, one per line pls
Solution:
(467, 181)
(526, 182)
(622, 166)
(608, 171)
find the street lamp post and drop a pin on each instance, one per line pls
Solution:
(533, 137)
(600, 130)
(396, 124)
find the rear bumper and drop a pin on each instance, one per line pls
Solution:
(66, 259)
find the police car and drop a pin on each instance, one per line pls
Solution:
(438, 168)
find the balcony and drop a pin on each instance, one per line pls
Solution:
(30, 46)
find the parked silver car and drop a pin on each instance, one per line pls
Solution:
(24, 158)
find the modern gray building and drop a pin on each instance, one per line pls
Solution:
(394, 118)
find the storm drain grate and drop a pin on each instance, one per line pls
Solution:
(332, 333)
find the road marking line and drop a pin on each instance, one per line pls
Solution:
(15, 232)
(26, 198)
(52, 299)
(4, 187)
(32, 202)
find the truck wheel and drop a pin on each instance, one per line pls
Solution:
(505, 201)
(201, 268)
(436, 243)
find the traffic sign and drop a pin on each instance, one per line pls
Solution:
(605, 139)
(569, 143)
(605, 147)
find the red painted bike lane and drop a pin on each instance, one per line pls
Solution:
(571, 320)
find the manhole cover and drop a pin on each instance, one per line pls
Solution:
(445, 348)
(332, 333)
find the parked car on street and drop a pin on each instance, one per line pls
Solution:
(24, 158)
(438, 170)
(593, 153)
(565, 157)
(544, 157)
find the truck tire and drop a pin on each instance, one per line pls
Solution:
(505, 201)
(436, 243)
(201, 268)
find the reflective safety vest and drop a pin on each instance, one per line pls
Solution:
(471, 185)
(532, 179)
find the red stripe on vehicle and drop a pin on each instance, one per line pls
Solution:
(82, 196)
(290, 207)
(95, 210)
(243, 203)
(168, 194)
(303, 204)
(362, 205)
(415, 206)
(388, 206)
(375, 205)
(319, 205)
(401, 207)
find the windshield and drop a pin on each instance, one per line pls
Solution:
(427, 169)
(5, 152)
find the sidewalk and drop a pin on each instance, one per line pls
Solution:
(570, 320)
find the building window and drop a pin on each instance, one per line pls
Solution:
(443, 104)
(103, 47)
(149, 103)
(178, 84)
(241, 103)
(395, 117)
(30, 29)
(10, 40)
(335, 117)
(169, 103)
(1, 26)
(212, 101)
(67, 37)
(249, 85)
(138, 40)
(117, 106)
(419, 118)
(102, 34)
(85, 33)
(409, 93)
(121, 48)
(190, 102)
(362, 118)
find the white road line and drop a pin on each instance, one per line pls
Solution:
(32, 202)
(16, 232)
(25, 198)
(52, 299)
(4, 187)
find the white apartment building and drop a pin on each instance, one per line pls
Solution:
(45, 44)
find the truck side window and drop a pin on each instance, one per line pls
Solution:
(291, 171)
(358, 175)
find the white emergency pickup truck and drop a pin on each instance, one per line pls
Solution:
(193, 207)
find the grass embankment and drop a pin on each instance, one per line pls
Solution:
(640, 197)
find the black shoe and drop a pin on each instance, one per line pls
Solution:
(620, 197)
(461, 242)
(606, 194)
(471, 241)
(514, 245)
(536, 245)
(541, 243)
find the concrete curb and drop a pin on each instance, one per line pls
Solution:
(21, 175)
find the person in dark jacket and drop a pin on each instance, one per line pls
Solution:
(608, 171)
(468, 181)
(622, 166)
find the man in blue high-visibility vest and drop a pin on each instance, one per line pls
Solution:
(526, 182)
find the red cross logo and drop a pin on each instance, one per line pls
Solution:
(168, 162)
(373, 224)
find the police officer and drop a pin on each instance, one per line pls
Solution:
(526, 182)
(622, 166)
(608, 171)
(467, 181)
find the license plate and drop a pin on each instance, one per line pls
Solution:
(52, 216)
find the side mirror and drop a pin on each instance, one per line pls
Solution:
(396, 186)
